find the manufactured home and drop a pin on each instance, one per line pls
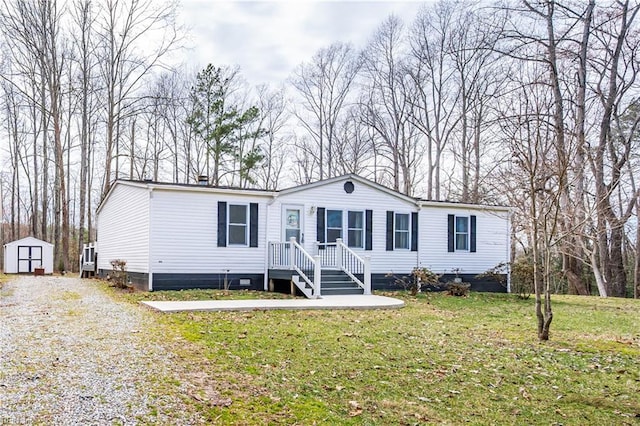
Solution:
(337, 236)
(26, 255)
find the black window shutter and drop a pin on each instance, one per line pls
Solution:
(389, 231)
(253, 225)
(414, 231)
(320, 231)
(472, 242)
(222, 224)
(368, 230)
(451, 233)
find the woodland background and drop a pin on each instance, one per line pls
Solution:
(534, 105)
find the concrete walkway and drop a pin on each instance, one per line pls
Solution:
(326, 302)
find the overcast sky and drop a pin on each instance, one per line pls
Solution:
(268, 39)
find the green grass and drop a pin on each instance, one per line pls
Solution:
(138, 296)
(440, 359)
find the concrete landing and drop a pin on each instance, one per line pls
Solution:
(326, 302)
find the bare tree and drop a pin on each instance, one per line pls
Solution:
(479, 76)
(83, 19)
(531, 139)
(616, 67)
(36, 35)
(432, 70)
(324, 84)
(273, 119)
(387, 106)
(123, 28)
(354, 152)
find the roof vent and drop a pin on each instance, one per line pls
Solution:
(203, 180)
(348, 187)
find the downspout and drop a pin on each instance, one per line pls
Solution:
(149, 257)
(419, 233)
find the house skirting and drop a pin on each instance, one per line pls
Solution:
(184, 281)
(385, 282)
(139, 280)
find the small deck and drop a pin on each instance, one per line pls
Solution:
(333, 268)
(325, 302)
(88, 259)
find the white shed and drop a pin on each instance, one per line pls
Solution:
(27, 254)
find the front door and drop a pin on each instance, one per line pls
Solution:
(29, 258)
(292, 223)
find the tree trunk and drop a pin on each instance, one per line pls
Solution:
(618, 280)
(636, 266)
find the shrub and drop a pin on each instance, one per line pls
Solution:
(458, 288)
(119, 274)
(521, 276)
(418, 278)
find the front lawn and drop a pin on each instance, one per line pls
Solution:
(440, 359)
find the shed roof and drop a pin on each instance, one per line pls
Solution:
(28, 241)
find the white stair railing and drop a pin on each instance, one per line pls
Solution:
(353, 265)
(338, 255)
(307, 268)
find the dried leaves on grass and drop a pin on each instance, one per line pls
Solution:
(441, 359)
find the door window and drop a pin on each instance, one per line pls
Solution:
(292, 224)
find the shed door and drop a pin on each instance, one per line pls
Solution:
(29, 257)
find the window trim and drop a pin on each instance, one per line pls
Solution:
(362, 229)
(456, 233)
(395, 230)
(246, 224)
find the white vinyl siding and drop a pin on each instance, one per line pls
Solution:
(185, 238)
(492, 240)
(123, 228)
(332, 196)
(174, 230)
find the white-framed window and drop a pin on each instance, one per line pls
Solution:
(401, 237)
(462, 233)
(238, 224)
(334, 225)
(355, 229)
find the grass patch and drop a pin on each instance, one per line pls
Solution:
(3, 279)
(441, 359)
(140, 296)
(69, 296)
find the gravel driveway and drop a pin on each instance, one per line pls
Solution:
(70, 355)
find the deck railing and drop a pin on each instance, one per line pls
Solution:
(293, 256)
(87, 260)
(339, 256)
